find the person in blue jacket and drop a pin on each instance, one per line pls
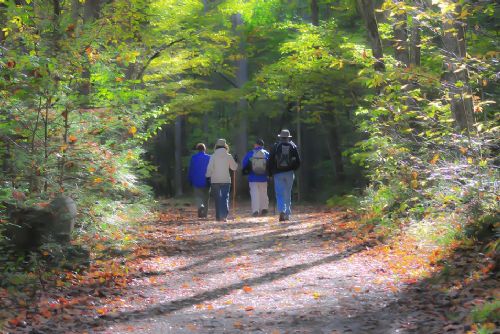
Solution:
(255, 165)
(197, 179)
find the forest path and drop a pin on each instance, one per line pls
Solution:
(255, 275)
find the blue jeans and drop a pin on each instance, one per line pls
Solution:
(283, 183)
(220, 192)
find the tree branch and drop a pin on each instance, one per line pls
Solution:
(156, 55)
(227, 79)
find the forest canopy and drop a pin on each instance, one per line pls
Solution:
(393, 105)
(104, 100)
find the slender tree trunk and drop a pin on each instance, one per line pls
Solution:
(367, 10)
(178, 156)
(90, 13)
(241, 136)
(299, 145)
(456, 78)
(75, 11)
(206, 116)
(400, 30)
(64, 154)
(91, 10)
(415, 43)
(337, 150)
(314, 12)
(332, 140)
(46, 140)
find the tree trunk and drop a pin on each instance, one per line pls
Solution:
(90, 14)
(456, 78)
(75, 11)
(367, 10)
(91, 10)
(299, 146)
(314, 13)
(337, 151)
(206, 116)
(241, 136)
(332, 140)
(400, 30)
(178, 156)
(415, 43)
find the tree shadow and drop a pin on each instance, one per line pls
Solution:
(239, 225)
(169, 307)
(224, 249)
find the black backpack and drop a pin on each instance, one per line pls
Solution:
(285, 156)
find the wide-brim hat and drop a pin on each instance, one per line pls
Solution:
(221, 142)
(285, 134)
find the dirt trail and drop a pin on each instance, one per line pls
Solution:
(254, 275)
(321, 272)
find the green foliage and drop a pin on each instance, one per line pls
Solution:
(488, 312)
(421, 166)
(83, 99)
(346, 201)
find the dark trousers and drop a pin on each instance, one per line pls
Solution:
(201, 198)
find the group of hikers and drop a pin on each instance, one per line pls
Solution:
(210, 174)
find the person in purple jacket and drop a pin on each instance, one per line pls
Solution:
(255, 165)
(197, 169)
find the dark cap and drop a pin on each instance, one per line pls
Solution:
(259, 142)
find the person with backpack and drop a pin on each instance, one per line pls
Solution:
(220, 180)
(197, 170)
(284, 159)
(255, 165)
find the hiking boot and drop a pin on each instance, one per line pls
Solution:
(255, 214)
(287, 217)
(282, 217)
(264, 212)
(200, 212)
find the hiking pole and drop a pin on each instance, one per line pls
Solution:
(234, 193)
(274, 193)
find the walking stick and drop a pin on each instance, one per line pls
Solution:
(234, 192)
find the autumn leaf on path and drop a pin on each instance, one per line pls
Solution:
(247, 288)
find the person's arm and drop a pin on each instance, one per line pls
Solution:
(269, 163)
(246, 163)
(232, 164)
(297, 158)
(210, 167)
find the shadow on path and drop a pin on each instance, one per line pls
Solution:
(166, 308)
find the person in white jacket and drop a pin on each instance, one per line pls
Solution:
(220, 180)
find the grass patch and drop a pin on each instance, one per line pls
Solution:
(489, 312)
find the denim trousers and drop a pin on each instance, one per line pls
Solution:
(283, 183)
(220, 192)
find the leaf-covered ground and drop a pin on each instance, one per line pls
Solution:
(321, 272)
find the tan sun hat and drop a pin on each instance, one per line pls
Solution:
(285, 134)
(221, 142)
